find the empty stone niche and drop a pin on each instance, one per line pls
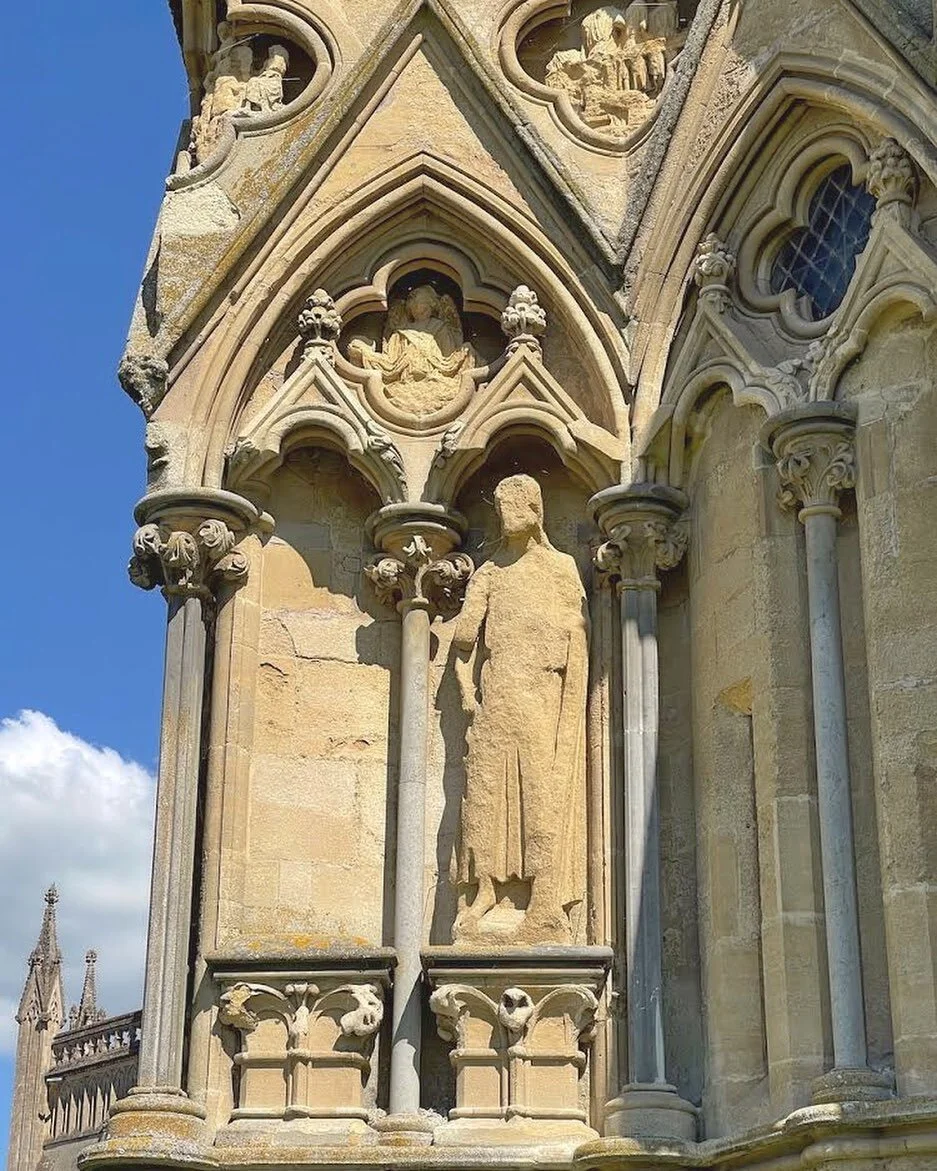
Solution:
(323, 718)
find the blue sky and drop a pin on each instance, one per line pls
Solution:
(96, 119)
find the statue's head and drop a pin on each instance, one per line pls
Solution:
(278, 59)
(519, 506)
(240, 61)
(422, 303)
(600, 26)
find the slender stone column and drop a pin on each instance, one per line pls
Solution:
(418, 575)
(816, 462)
(185, 546)
(641, 522)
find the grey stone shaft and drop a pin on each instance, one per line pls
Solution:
(409, 861)
(167, 952)
(641, 706)
(834, 793)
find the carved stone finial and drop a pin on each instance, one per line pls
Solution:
(713, 268)
(186, 564)
(524, 320)
(816, 460)
(144, 377)
(638, 551)
(320, 323)
(86, 1012)
(417, 578)
(892, 177)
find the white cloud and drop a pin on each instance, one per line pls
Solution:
(79, 816)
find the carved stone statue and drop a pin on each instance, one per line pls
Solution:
(232, 87)
(617, 75)
(423, 358)
(265, 91)
(522, 666)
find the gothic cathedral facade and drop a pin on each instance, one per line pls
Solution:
(541, 418)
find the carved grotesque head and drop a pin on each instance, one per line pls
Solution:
(519, 506)
(422, 303)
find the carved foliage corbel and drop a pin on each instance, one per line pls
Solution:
(633, 557)
(419, 578)
(814, 470)
(243, 1004)
(186, 564)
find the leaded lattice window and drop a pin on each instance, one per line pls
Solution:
(818, 260)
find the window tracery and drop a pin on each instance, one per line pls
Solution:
(818, 260)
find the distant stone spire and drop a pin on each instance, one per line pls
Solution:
(86, 1012)
(42, 993)
(41, 1015)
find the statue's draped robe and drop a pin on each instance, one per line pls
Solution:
(423, 365)
(523, 811)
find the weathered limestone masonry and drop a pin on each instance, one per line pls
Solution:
(541, 421)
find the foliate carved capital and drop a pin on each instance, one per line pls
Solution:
(145, 378)
(418, 578)
(816, 462)
(320, 324)
(713, 269)
(637, 552)
(892, 177)
(524, 320)
(183, 563)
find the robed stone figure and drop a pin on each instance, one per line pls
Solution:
(521, 659)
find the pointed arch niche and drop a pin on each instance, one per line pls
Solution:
(564, 386)
(396, 229)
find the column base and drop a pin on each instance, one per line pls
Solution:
(406, 1130)
(270, 1134)
(153, 1124)
(651, 1110)
(852, 1084)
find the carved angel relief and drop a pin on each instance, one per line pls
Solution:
(614, 79)
(423, 360)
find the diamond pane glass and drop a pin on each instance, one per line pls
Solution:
(818, 260)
